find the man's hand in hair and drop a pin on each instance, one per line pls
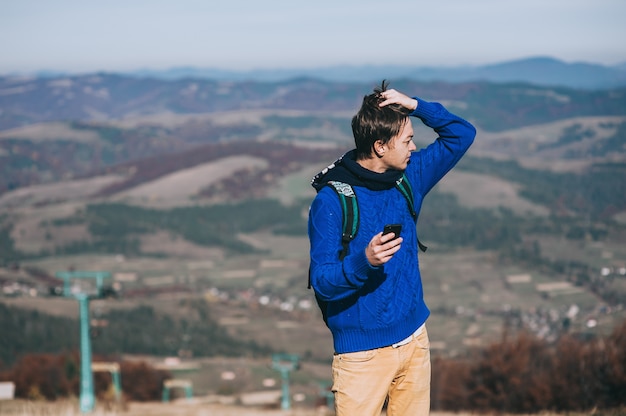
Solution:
(394, 97)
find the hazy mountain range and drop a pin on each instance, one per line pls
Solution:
(493, 106)
(543, 71)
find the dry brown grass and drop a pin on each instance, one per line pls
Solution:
(177, 187)
(194, 407)
(523, 143)
(487, 192)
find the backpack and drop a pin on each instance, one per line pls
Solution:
(350, 212)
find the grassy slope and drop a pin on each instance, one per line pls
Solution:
(466, 279)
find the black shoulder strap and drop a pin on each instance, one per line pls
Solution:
(404, 186)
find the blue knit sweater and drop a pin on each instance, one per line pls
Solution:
(368, 307)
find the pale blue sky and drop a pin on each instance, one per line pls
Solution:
(119, 35)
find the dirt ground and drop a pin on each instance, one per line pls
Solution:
(177, 408)
(200, 407)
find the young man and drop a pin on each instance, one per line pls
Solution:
(371, 297)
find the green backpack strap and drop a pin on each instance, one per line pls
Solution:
(404, 186)
(350, 217)
(350, 210)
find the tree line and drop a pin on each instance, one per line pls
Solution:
(140, 330)
(519, 374)
(52, 376)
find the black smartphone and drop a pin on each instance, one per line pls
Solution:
(393, 228)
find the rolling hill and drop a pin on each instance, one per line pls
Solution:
(199, 188)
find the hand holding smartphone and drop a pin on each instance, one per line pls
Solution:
(393, 228)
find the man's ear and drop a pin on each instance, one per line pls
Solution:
(379, 148)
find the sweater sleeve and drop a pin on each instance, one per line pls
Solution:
(455, 136)
(331, 278)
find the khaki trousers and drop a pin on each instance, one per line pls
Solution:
(363, 380)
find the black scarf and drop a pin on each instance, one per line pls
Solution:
(347, 170)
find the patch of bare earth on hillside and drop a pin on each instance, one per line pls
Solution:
(531, 145)
(484, 191)
(56, 192)
(173, 120)
(30, 237)
(64, 307)
(282, 246)
(221, 118)
(34, 227)
(174, 246)
(177, 187)
(50, 132)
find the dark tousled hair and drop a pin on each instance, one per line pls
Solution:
(372, 122)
